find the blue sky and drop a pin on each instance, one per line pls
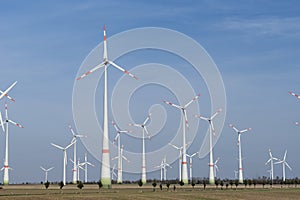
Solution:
(255, 45)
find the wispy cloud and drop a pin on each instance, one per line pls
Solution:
(288, 26)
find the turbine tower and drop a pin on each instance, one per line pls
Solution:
(105, 167)
(184, 124)
(241, 180)
(6, 167)
(284, 163)
(75, 168)
(86, 163)
(144, 128)
(211, 132)
(65, 158)
(120, 156)
(271, 159)
(191, 165)
(46, 172)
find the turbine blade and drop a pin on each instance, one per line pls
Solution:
(90, 164)
(217, 160)
(57, 146)
(268, 161)
(200, 117)
(185, 118)
(104, 44)
(245, 130)
(115, 139)
(125, 158)
(194, 99)
(123, 70)
(284, 157)
(50, 168)
(174, 146)
(91, 71)
(137, 125)
(234, 128)
(1, 121)
(6, 111)
(147, 119)
(297, 123)
(7, 90)
(147, 133)
(216, 113)
(295, 95)
(288, 165)
(71, 129)
(18, 125)
(42, 168)
(70, 145)
(213, 128)
(172, 104)
(115, 126)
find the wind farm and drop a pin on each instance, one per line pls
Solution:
(61, 67)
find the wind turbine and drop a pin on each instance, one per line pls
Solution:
(78, 167)
(105, 167)
(6, 167)
(240, 150)
(75, 168)
(120, 156)
(46, 172)
(284, 163)
(179, 159)
(216, 166)
(65, 158)
(144, 128)
(163, 169)
(184, 123)
(5, 93)
(86, 163)
(211, 131)
(272, 164)
(113, 173)
(191, 164)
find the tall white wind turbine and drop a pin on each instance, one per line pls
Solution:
(191, 165)
(179, 159)
(85, 164)
(75, 168)
(6, 167)
(284, 163)
(5, 93)
(144, 130)
(184, 124)
(46, 172)
(241, 180)
(211, 132)
(105, 167)
(65, 158)
(120, 156)
(78, 167)
(271, 159)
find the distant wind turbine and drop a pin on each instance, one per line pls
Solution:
(241, 180)
(211, 132)
(185, 123)
(65, 158)
(191, 164)
(144, 129)
(271, 159)
(284, 163)
(46, 172)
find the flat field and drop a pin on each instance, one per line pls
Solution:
(90, 192)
